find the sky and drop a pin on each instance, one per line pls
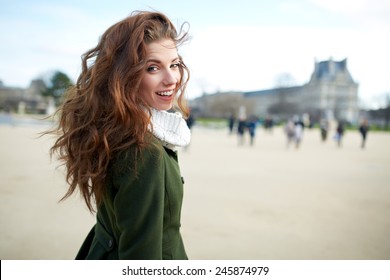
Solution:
(234, 45)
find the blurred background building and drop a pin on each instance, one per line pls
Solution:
(330, 93)
(24, 100)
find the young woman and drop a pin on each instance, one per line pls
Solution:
(118, 141)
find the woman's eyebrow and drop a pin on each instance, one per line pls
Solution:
(154, 60)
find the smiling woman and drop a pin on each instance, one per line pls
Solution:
(118, 141)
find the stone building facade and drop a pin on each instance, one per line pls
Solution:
(331, 92)
(23, 100)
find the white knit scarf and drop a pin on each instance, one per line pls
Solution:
(170, 128)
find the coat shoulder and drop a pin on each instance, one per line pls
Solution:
(134, 157)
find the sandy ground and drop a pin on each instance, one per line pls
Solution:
(241, 202)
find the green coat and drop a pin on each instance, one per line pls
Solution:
(140, 217)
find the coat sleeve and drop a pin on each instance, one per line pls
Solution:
(139, 207)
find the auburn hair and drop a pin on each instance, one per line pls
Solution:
(103, 113)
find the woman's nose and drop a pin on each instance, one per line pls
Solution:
(171, 77)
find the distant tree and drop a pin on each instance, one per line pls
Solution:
(283, 109)
(228, 103)
(284, 80)
(59, 83)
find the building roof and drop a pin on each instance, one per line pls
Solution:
(329, 70)
(273, 91)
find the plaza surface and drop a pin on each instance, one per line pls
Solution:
(265, 201)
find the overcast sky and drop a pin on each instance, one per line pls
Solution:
(236, 45)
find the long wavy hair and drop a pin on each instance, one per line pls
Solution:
(103, 114)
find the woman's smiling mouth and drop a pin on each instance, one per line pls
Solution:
(165, 93)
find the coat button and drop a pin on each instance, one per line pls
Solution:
(110, 243)
(182, 180)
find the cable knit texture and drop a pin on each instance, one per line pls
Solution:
(170, 128)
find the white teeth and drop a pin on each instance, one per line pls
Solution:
(165, 93)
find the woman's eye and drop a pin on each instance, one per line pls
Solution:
(175, 65)
(152, 68)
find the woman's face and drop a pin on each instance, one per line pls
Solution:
(162, 74)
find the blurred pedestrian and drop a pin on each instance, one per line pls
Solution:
(252, 123)
(324, 127)
(190, 119)
(231, 122)
(241, 125)
(289, 130)
(363, 129)
(241, 131)
(298, 135)
(268, 124)
(339, 133)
